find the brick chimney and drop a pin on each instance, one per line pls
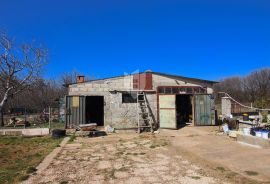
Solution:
(80, 78)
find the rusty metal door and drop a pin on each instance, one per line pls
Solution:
(75, 110)
(204, 110)
(167, 111)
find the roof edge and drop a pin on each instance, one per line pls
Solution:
(156, 73)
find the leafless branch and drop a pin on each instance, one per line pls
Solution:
(20, 66)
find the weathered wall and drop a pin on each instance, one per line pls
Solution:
(116, 113)
(226, 107)
(159, 80)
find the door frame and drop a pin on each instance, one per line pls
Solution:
(69, 118)
(211, 124)
(193, 100)
(103, 112)
(167, 109)
(193, 107)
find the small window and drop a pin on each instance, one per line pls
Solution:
(161, 90)
(189, 90)
(182, 90)
(168, 90)
(175, 90)
(129, 97)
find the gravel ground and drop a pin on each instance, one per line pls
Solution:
(122, 158)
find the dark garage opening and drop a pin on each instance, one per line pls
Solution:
(183, 110)
(94, 110)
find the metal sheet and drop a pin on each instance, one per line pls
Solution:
(167, 111)
(167, 101)
(143, 81)
(167, 118)
(204, 115)
(75, 110)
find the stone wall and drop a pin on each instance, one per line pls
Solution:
(116, 113)
(226, 107)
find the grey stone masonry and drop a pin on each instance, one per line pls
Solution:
(226, 106)
(116, 113)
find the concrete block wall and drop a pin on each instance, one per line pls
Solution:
(120, 115)
(120, 83)
(116, 113)
(226, 106)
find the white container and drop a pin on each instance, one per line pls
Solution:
(225, 128)
(246, 131)
(265, 134)
(258, 133)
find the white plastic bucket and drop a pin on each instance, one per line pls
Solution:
(246, 131)
(265, 134)
(225, 128)
(258, 133)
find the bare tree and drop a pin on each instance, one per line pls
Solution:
(232, 86)
(253, 88)
(256, 86)
(69, 78)
(20, 66)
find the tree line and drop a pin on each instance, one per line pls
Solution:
(21, 82)
(253, 88)
(43, 93)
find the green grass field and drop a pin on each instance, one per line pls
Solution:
(19, 156)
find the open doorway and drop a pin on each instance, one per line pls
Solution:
(94, 110)
(184, 114)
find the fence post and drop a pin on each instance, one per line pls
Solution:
(25, 118)
(49, 118)
(2, 118)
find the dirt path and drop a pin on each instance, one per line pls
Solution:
(184, 156)
(233, 160)
(122, 158)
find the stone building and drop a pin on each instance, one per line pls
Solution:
(171, 101)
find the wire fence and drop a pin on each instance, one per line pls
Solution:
(50, 117)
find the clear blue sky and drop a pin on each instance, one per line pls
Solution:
(204, 39)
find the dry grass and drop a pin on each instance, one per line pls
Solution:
(251, 173)
(19, 156)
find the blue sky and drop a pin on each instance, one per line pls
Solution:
(204, 39)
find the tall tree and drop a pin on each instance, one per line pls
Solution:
(20, 66)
